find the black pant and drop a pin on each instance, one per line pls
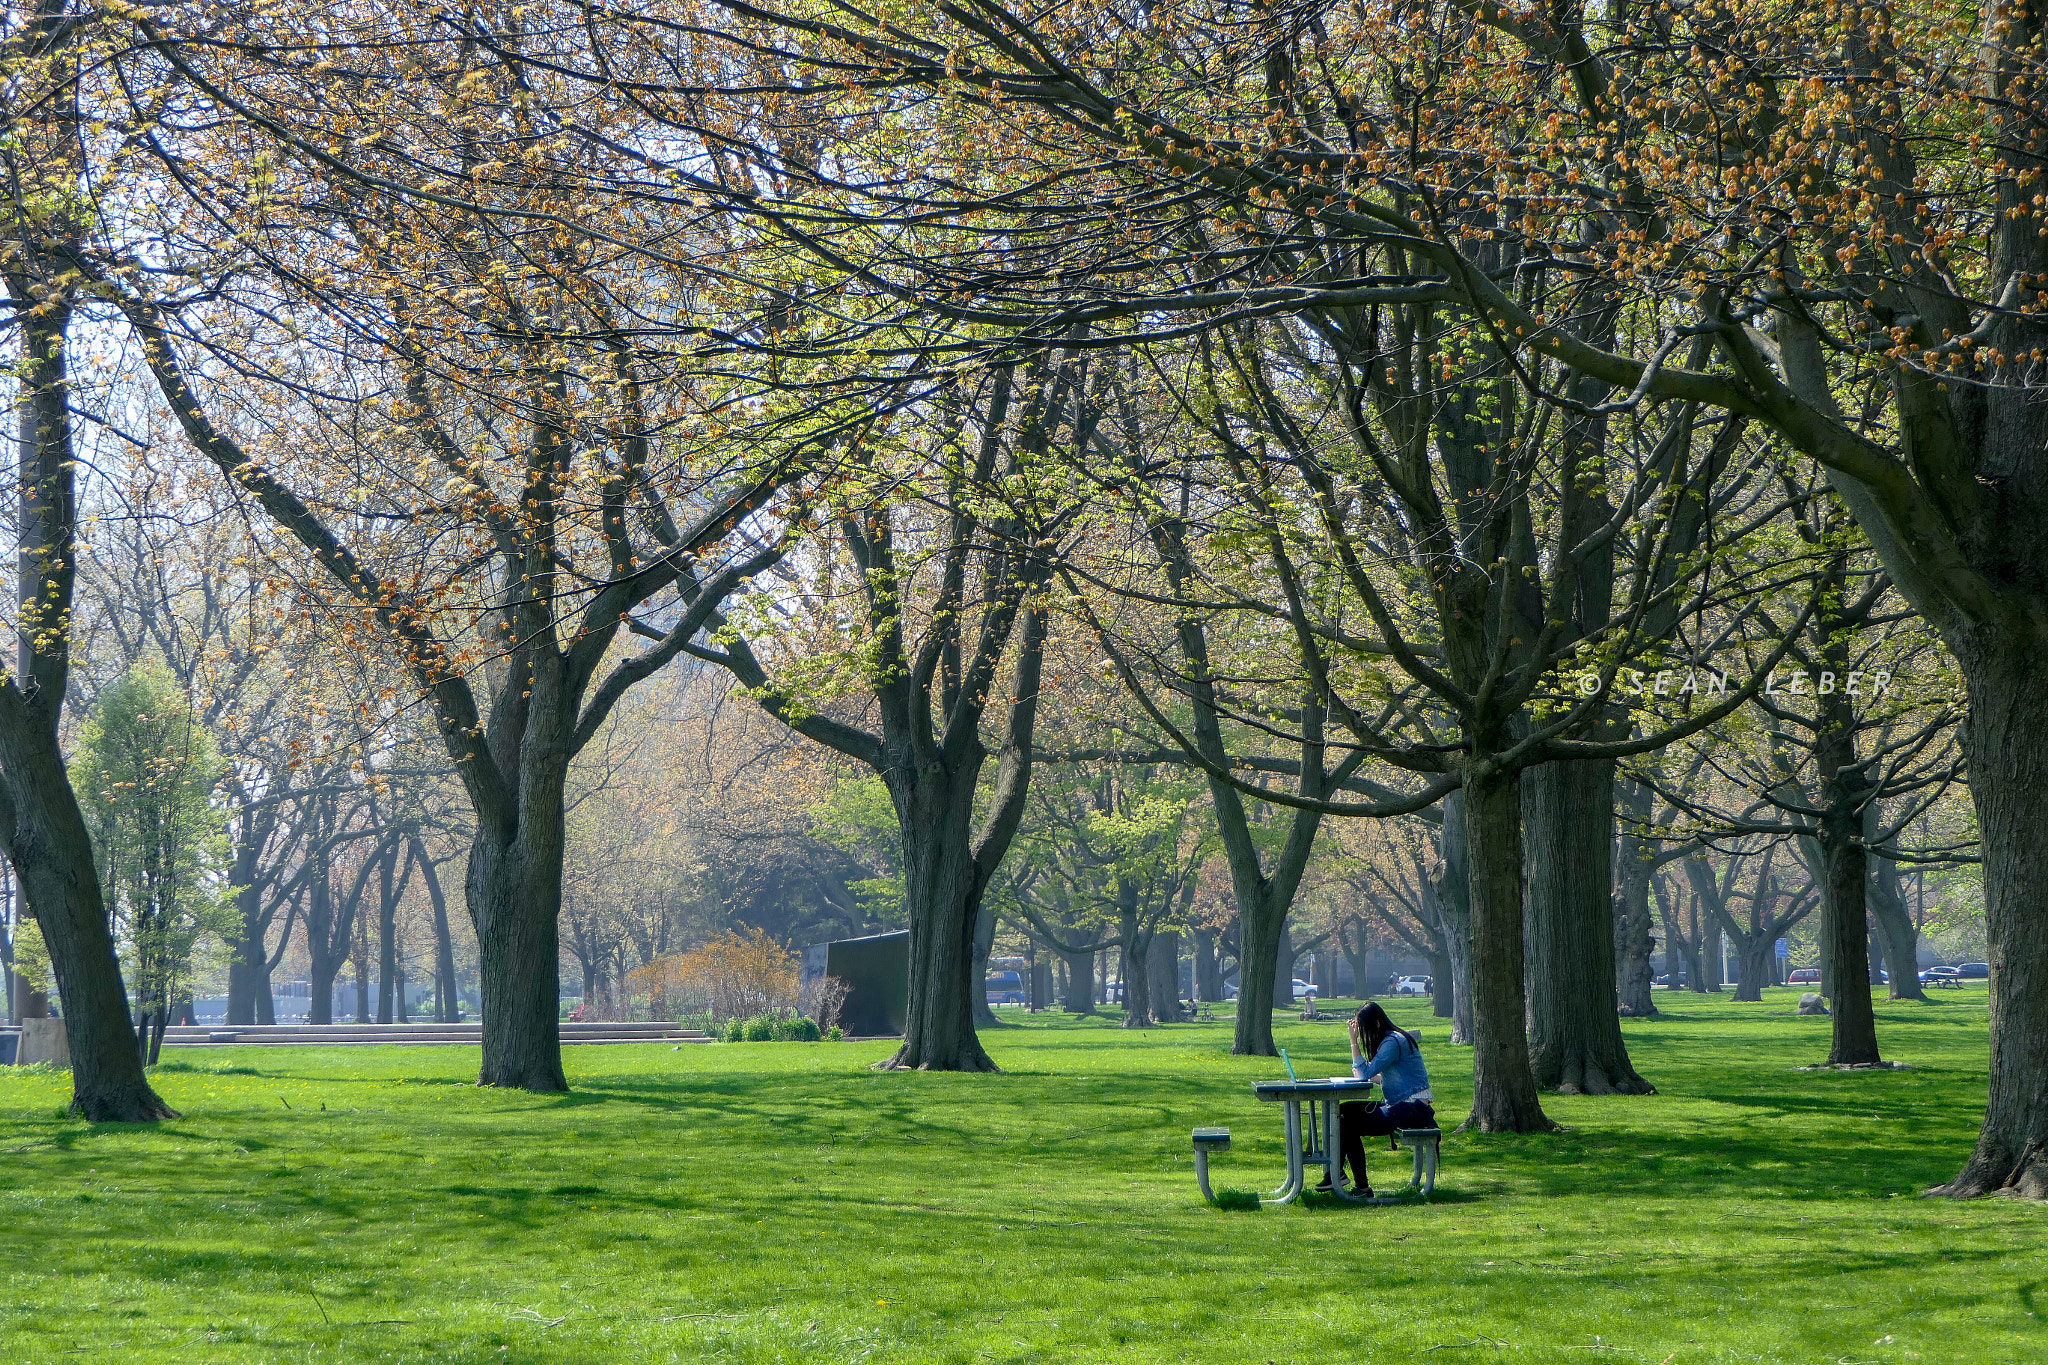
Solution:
(1362, 1120)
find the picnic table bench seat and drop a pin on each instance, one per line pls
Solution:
(1426, 1144)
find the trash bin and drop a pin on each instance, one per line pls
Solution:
(10, 1044)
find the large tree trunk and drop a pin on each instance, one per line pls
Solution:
(1752, 967)
(1844, 947)
(1635, 926)
(40, 823)
(387, 933)
(326, 942)
(1163, 980)
(514, 887)
(1452, 879)
(1678, 948)
(934, 810)
(320, 991)
(248, 960)
(2009, 787)
(1208, 969)
(1504, 1096)
(1263, 928)
(1080, 983)
(248, 956)
(1900, 940)
(1575, 1044)
(1134, 946)
(1283, 970)
(52, 854)
(447, 998)
(984, 945)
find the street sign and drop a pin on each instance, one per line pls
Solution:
(1784, 949)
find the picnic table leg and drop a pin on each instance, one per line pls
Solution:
(1334, 1152)
(1295, 1175)
(1202, 1173)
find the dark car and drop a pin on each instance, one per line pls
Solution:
(1974, 971)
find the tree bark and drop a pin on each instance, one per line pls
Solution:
(40, 822)
(1134, 946)
(1283, 970)
(1452, 879)
(1575, 1044)
(1635, 926)
(1163, 961)
(1504, 1098)
(1845, 874)
(387, 932)
(2009, 787)
(1440, 1005)
(1080, 983)
(1208, 969)
(934, 812)
(514, 886)
(447, 997)
(984, 944)
(1710, 955)
(248, 955)
(1752, 968)
(1841, 915)
(1899, 939)
(52, 855)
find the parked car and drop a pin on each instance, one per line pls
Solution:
(1805, 976)
(1302, 989)
(1941, 976)
(1413, 985)
(1974, 971)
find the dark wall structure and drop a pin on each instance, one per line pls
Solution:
(876, 971)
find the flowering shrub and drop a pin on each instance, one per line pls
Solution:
(734, 976)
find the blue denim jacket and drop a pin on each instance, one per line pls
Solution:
(1398, 1064)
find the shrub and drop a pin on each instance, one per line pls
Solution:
(773, 1028)
(835, 1034)
(734, 977)
(822, 998)
(797, 1029)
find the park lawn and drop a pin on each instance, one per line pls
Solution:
(780, 1202)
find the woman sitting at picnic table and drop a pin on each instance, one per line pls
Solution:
(1393, 1056)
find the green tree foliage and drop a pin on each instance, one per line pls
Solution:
(145, 776)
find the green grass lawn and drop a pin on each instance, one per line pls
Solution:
(780, 1202)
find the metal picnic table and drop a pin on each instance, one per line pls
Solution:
(1319, 1141)
(1316, 1142)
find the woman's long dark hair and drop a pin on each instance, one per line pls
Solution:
(1374, 1026)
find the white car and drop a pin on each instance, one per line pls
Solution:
(1414, 985)
(1302, 989)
